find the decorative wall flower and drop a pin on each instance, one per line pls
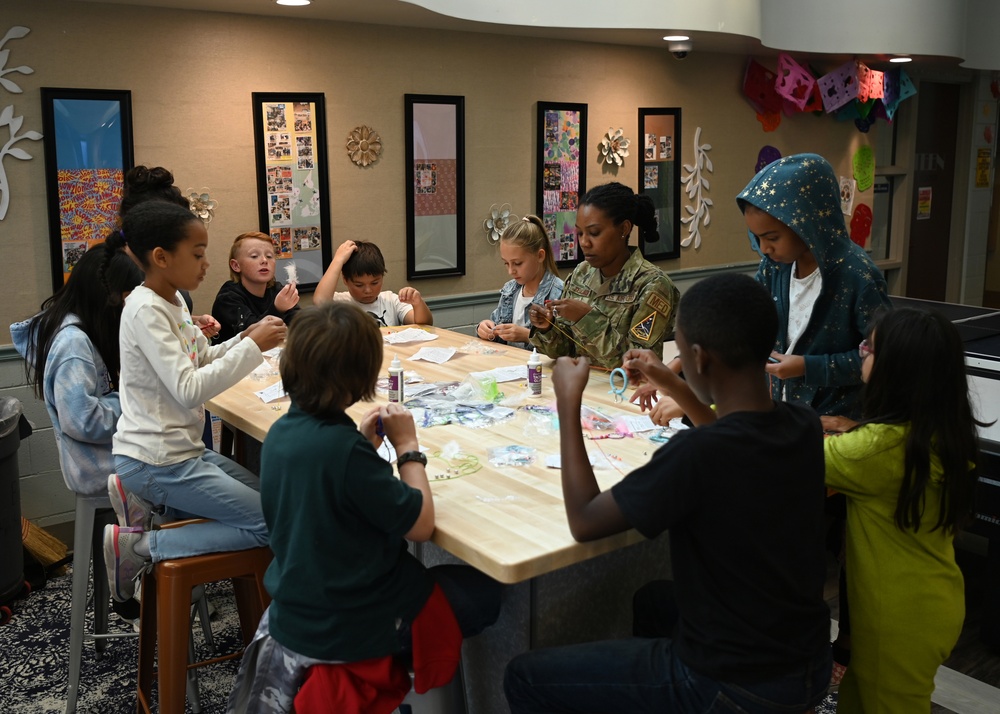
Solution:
(202, 205)
(364, 145)
(614, 146)
(7, 118)
(694, 184)
(497, 222)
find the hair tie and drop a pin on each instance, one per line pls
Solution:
(121, 232)
(526, 219)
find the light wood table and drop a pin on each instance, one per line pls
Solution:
(507, 521)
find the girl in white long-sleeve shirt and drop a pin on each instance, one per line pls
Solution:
(168, 371)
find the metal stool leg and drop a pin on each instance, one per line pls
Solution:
(82, 540)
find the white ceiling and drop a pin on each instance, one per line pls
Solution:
(728, 26)
(408, 14)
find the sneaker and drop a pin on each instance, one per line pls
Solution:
(124, 565)
(128, 611)
(836, 675)
(132, 511)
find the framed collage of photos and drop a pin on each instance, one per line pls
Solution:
(561, 174)
(88, 150)
(660, 178)
(292, 182)
(435, 177)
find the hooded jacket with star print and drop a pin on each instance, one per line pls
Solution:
(802, 191)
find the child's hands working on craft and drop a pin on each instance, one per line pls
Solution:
(785, 366)
(645, 366)
(268, 332)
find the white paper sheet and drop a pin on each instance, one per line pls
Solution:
(269, 394)
(437, 355)
(504, 374)
(410, 334)
(639, 423)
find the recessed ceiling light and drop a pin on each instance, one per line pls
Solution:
(676, 38)
(294, 2)
(901, 59)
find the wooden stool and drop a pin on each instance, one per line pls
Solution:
(166, 602)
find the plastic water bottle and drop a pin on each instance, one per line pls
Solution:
(396, 381)
(535, 373)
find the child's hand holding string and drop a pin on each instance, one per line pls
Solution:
(485, 330)
(511, 333)
(269, 332)
(208, 325)
(369, 427)
(644, 366)
(397, 423)
(785, 366)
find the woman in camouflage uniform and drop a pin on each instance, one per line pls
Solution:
(615, 300)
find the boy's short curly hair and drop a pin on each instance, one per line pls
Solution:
(332, 358)
(366, 260)
(731, 315)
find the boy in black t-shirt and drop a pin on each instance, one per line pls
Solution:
(742, 496)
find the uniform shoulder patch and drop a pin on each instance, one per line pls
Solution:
(643, 329)
(658, 303)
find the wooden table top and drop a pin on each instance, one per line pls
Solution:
(507, 521)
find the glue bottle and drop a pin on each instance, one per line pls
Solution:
(396, 381)
(535, 373)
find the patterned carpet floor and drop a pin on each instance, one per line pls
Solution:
(34, 658)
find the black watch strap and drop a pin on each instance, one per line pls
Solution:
(408, 456)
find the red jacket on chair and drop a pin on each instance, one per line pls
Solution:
(379, 685)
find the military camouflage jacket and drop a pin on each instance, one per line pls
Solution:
(635, 308)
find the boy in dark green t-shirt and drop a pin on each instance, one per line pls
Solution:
(344, 586)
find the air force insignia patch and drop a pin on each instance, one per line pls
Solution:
(643, 329)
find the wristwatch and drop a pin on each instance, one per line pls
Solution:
(408, 456)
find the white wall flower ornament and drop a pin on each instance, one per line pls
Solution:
(7, 118)
(364, 145)
(202, 204)
(695, 184)
(497, 222)
(614, 146)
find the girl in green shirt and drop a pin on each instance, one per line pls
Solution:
(908, 470)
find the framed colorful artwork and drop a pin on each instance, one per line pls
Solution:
(88, 149)
(561, 174)
(660, 179)
(435, 180)
(293, 191)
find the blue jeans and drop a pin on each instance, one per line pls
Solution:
(646, 675)
(210, 486)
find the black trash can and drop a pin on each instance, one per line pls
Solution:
(11, 548)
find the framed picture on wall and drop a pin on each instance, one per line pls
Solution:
(88, 150)
(660, 178)
(435, 180)
(561, 176)
(293, 191)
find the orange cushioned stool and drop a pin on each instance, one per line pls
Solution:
(166, 604)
